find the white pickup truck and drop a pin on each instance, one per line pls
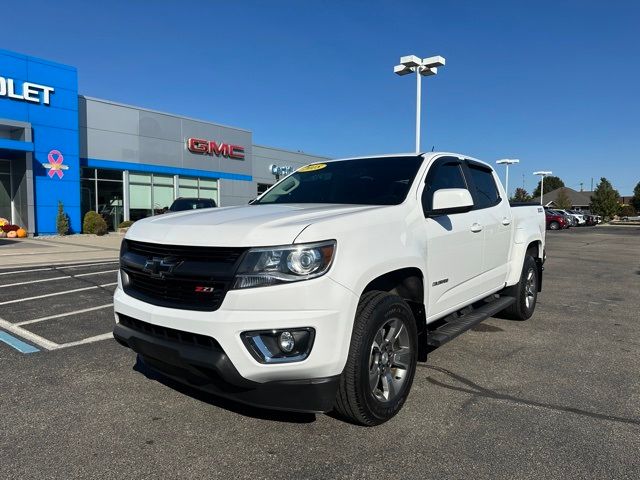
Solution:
(325, 291)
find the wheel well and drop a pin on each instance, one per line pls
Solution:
(407, 283)
(533, 249)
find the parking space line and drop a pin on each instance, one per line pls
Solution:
(97, 338)
(26, 334)
(57, 278)
(58, 293)
(60, 267)
(19, 345)
(60, 315)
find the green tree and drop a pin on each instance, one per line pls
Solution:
(62, 220)
(521, 195)
(562, 200)
(604, 200)
(635, 200)
(550, 184)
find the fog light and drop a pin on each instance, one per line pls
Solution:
(279, 346)
(286, 342)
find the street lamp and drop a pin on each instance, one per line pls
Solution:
(507, 162)
(424, 67)
(542, 175)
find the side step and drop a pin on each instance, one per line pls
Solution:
(452, 329)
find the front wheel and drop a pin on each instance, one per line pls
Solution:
(554, 226)
(382, 360)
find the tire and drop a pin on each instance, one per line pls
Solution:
(525, 292)
(374, 364)
(554, 226)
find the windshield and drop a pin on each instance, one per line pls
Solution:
(363, 181)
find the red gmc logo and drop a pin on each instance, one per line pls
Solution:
(209, 147)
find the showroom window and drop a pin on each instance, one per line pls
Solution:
(139, 196)
(102, 192)
(198, 188)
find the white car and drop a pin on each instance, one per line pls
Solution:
(326, 290)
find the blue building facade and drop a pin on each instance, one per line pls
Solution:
(39, 142)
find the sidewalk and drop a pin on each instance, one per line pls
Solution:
(53, 250)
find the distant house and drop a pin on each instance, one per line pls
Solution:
(579, 200)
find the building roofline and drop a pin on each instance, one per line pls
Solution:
(118, 104)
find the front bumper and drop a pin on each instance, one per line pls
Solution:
(212, 371)
(231, 370)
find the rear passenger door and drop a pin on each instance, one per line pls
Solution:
(493, 214)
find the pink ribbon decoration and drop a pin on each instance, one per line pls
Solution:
(55, 161)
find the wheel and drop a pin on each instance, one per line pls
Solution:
(382, 360)
(525, 292)
(554, 226)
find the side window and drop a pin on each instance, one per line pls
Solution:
(487, 191)
(446, 173)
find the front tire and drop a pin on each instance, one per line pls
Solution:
(554, 226)
(525, 292)
(382, 360)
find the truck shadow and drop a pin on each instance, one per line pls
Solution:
(476, 390)
(220, 402)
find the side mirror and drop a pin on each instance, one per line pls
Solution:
(451, 200)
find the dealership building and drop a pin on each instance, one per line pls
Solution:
(121, 161)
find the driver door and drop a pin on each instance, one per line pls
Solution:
(453, 244)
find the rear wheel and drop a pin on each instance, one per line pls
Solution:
(525, 292)
(382, 360)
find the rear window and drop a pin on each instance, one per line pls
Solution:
(487, 191)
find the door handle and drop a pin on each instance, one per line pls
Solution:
(506, 221)
(476, 227)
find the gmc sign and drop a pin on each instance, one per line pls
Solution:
(210, 147)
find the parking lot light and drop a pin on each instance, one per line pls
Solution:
(542, 174)
(423, 67)
(507, 162)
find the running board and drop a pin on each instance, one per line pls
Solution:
(455, 327)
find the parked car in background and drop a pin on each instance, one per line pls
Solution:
(182, 204)
(555, 220)
(573, 220)
(579, 216)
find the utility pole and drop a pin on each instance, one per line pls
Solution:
(581, 183)
(592, 184)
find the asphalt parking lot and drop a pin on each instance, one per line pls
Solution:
(556, 396)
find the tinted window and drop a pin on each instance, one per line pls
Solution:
(363, 181)
(444, 174)
(191, 204)
(487, 191)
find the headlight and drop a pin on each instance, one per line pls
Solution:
(292, 263)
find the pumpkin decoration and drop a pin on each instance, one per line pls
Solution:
(3, 221)
(12, 234)
(21, 233)
(3, 234)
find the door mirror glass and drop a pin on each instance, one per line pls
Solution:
(451, 200)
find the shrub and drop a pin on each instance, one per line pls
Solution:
(627, 211)
(62, 220)
(125, 224)
(94, 223)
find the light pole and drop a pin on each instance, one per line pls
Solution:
(507, 162)
(542, 175)
(423, 68)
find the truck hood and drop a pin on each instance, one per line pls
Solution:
(243, 226)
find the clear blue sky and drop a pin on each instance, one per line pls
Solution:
(554, 83)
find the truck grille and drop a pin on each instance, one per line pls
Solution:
(178, 276)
